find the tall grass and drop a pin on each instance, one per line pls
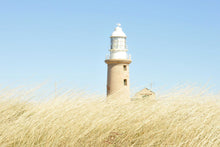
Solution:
(180, 119)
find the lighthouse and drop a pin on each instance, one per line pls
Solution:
(118, 83)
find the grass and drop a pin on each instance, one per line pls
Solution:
(181, 118)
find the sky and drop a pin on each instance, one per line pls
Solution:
(171, 42)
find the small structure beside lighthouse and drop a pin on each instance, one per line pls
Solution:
(118, 83)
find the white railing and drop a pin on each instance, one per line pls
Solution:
(109, 57)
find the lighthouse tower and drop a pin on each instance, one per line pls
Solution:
(118, 66)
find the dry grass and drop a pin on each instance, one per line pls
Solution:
(180, 119)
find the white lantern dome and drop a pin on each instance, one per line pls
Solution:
(118, 32)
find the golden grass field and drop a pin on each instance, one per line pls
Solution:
(180, 118)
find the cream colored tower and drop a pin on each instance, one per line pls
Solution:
(118, 83)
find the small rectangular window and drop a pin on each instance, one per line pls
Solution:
(125, 67)
(125, 82)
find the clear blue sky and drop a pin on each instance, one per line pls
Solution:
(171, 42)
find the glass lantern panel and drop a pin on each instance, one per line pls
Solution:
(118, 43)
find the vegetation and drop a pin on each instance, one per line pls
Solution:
(178, 119)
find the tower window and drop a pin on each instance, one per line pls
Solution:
(125, 82)
(125, 67)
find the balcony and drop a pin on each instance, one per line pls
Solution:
(127, 57)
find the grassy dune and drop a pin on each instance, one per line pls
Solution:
(176, 119)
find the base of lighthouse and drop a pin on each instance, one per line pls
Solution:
(118, 83)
